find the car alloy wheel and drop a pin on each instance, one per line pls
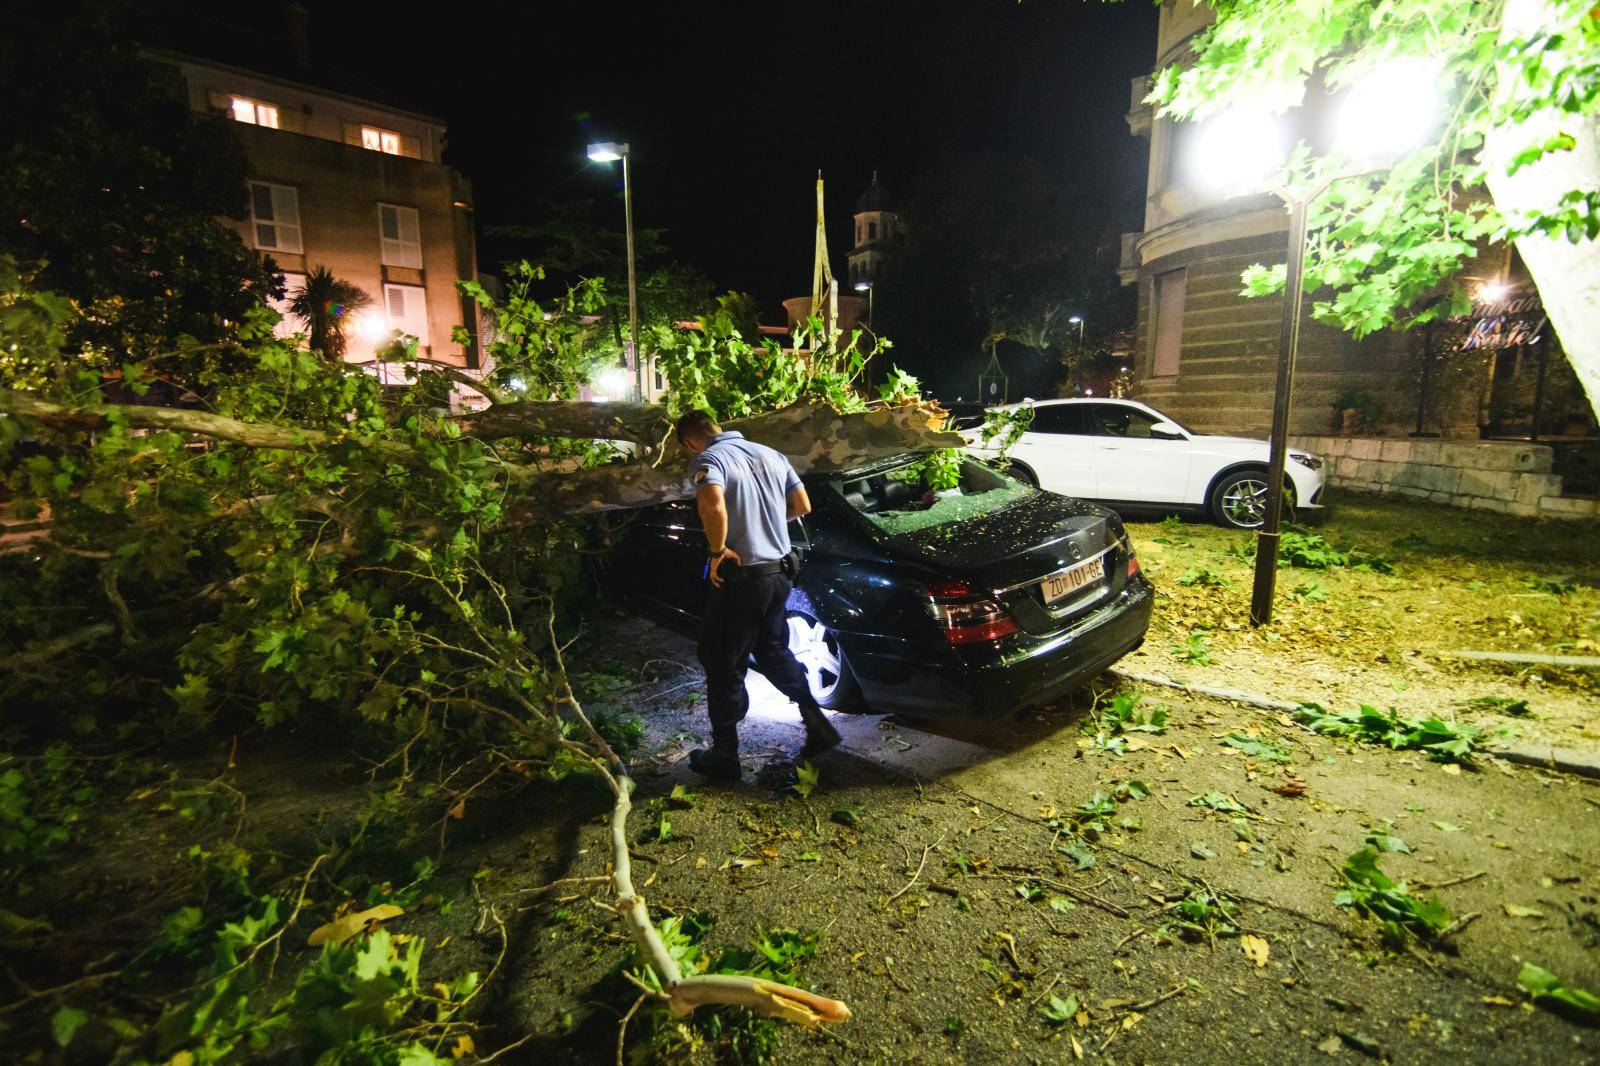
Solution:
(817, 650)
(1244, 503)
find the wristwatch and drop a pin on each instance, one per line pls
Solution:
(719, 553)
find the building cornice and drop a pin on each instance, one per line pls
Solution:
(167, 56)
(1227, 222)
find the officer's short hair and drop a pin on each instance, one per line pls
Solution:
(695, 424)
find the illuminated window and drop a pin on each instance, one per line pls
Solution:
(275, 217)
(400, 236)
(254, 112)
(385, 141)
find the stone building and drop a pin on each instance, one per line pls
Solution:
(876, 224)
(344, 178)
(1207, 355)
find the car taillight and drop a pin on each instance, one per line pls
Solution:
(965, 616)
(1133, 564)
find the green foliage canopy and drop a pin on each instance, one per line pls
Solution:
(1384, 244)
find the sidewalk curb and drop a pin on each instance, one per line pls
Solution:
(1565, 760)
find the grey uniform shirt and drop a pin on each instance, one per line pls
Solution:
(756, 482)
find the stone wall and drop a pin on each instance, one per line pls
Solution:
(1503, 476)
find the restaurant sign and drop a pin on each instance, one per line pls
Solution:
(1514, 319)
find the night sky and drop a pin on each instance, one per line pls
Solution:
(731, 108)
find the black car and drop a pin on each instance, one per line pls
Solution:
(984, 597)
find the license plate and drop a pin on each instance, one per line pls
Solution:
(1062, 585)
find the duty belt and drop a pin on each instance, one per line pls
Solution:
(759, 569)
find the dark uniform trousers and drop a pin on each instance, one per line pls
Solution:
(744, 617)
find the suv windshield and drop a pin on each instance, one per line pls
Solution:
(904, 496)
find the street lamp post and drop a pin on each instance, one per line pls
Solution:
(607, 152)
(1383, 116)
(867, 287)
(1077, 320)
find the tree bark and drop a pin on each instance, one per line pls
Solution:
(1567, 273)
(643, 423)
(816, 438)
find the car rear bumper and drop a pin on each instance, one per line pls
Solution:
(894, 678)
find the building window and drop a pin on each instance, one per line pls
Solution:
(407, 310)
(1169, 289)
(254, 112)
(275, 217)
(400, 236)
(386, 141)
(872, 231)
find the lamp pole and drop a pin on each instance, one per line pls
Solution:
(633, 284)
(1076, 371)
(607, 152)
(1384, 115)
(1266, 576)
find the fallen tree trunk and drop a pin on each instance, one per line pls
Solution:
(643, 423)
(816, 438)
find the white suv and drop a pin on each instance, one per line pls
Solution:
(1129, 455)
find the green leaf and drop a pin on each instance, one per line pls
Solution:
(65, 1023)
(1387, 842)
(805, 779)
(1060, 1011)
(1545, 988)
(1062, 904)
(1446, 827)
(1259, 748)
(1200, 851)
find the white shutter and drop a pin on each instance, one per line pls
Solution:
(407, 309)
(395, 301)
(400, 236)
(288, 326)
(286, 210)
(1169, 323)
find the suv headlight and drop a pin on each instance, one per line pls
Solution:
(1305, 460)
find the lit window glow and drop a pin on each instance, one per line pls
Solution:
(254, 112)
(385, 141)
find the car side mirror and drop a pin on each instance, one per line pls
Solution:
(1165, 431)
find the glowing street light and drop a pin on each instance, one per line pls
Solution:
(1492, 292)
(1389, 111)
(610, 152)
(612, 382)
(1384, 114)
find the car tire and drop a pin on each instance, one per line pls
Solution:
(816, 647)
(1023, 472)
(1239, 500)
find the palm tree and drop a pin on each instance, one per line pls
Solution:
(326, 305)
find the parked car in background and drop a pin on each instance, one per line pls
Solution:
(1131, 457)
(984, 597)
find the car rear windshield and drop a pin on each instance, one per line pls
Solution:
(905, 496)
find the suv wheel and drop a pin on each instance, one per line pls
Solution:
(1239, 500)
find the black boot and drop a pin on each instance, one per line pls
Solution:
(720, 761)
(820, 734)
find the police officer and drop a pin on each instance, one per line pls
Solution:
(746, 494)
